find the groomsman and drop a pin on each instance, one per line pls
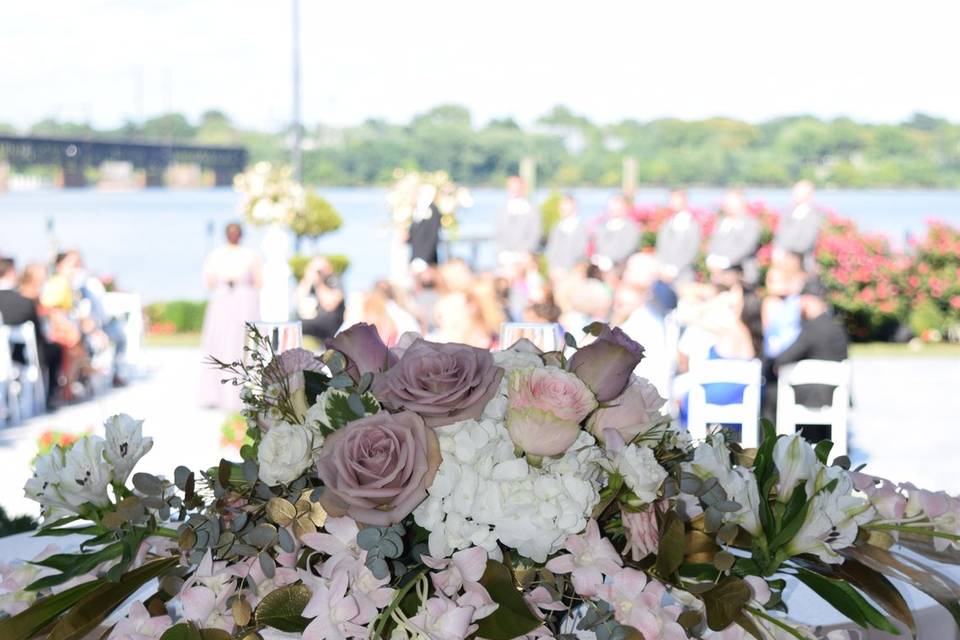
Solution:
(735, 239)
(678, 240)
(617, 237)
(799, 230)
(518, 227)
(567, 242)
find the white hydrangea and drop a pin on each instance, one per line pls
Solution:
(483, 493)
(641, 472)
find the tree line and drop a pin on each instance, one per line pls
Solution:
(570, 150)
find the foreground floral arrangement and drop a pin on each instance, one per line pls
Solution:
(441, 491)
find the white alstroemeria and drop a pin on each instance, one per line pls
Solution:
(44, 486)
(833, 519)
(796, 461)
(285, 452)
(742, 489)
(125, 445)
(85, 474)
(641, 472)
(711, 460)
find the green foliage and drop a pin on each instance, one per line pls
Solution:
(18, 524)
(182, 316)
(317, 218)
(927, 316)
(550, 211)
(338, 262)
(572, 150)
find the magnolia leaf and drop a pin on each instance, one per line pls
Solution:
(280, 511)
(725, 601)
(822, 450)
(513, 617)
(671, 548)
(879, 589)
(96, 605)
(281, 609)
(847, 600)
(214, 634)
(182, 631)
(315, 383)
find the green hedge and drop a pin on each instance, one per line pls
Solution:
(298, 263)
(185, 316)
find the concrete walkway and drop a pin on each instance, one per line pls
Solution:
(906, 422)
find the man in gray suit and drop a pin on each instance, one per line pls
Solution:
(617, 237)
(735, 239)
(799, 230)
(567, 242)
(678, 240)
(518, 225)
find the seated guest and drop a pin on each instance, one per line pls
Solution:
(567, 242)
(616, 237)
(319, 297)
(822, 337)
(781, 307)
(735, 239)
(678, 240)
(15, 309)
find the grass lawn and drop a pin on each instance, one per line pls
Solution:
(912, 350)
(172, 340)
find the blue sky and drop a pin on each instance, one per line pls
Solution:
(107, 60)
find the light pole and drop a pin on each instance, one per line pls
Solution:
(297, 152)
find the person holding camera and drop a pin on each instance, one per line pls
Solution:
(320, 303)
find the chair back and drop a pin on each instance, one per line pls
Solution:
(32, 392)
(702, 414)
(128, 310)
(790, 414)
(6, 356)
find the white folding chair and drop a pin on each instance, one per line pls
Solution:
(31, 389)
(7, 379)
(819, 372)
(128, 310)
(701, 414)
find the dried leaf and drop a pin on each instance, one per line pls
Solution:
(280, 511)
(241, 612)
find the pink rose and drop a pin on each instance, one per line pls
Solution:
(606, 363)
(545, 407)
(637, 410)
(377, 469)
(365, 352)
(641, 530)
(444, 383)
(290, 365)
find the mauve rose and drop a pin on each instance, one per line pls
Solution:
(443, 383)
(641, 530)
(636, 410)
(544, 409)
(606, 363)
(365, 352)
(377, 469)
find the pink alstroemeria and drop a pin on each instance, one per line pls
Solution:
(370, 592)
(540, 599)
(140, 625)
(591, 557)
(462, 567)
(339, 542)
(205, 594)
(443, 619)
(333, 611)
(636, 602)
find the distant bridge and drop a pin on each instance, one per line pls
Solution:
(73, 155)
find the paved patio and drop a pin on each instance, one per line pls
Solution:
(906, 421)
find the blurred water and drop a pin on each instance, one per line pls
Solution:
(153, 241)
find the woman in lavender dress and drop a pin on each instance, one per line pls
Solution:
(232, 274)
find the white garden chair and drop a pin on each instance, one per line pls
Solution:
(701, 414)
(7, 379)
(820, 372)
(29, 383)
(128, 310)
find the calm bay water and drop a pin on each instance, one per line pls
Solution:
(154, 241)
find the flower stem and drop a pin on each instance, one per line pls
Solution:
(397, 599)
(760, 613)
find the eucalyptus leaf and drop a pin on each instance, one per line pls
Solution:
(180, 477)
(148, 484)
